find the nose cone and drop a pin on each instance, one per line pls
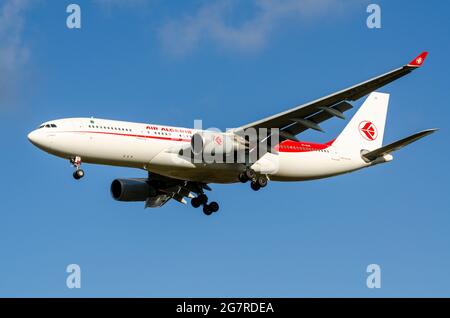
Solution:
(35, 137)
(32, 136)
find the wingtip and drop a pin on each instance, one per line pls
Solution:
(418, 60)
(430, 131)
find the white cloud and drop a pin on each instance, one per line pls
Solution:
(13, 51)
(211, 23)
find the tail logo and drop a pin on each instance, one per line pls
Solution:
(368, 130)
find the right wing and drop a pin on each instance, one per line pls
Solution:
(372, 155)
(309, 115)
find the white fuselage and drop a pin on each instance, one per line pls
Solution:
(145, 146)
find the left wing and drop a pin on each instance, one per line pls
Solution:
(309, 115)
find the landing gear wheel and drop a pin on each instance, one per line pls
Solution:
(76, 162)
(207, 210)
(202, 199)
(262, 181)
(250, 174)
(195, 202)
(255, 186)
(78, 174)
(243, 177)
(214, 206)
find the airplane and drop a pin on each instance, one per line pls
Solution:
(167, 153)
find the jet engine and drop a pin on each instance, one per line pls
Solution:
(215, 143)
(131, 190)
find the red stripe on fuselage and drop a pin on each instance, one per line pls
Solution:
(301, 146)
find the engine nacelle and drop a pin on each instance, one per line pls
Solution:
(214, 143)
(131, 190)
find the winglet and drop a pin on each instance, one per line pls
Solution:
(418, 61)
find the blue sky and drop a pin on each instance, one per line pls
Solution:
(228, 63)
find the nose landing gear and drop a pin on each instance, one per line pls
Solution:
(202, 199)
(78, 173)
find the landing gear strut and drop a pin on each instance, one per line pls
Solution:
(78, 173)
(202, 199)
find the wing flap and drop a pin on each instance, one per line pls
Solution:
(325, 114)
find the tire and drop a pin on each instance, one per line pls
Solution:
(195, 202)
(243, 177)
(262, 181)
(78, 174)
(207, 210)
(255, 186)
(202, 198)
(250, 173)
(214, 206)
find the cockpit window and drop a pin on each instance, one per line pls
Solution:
(48, 126)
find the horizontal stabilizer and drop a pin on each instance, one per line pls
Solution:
(372, 155)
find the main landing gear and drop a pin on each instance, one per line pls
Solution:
(257, 182)
(202, 199)
(78, 173)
